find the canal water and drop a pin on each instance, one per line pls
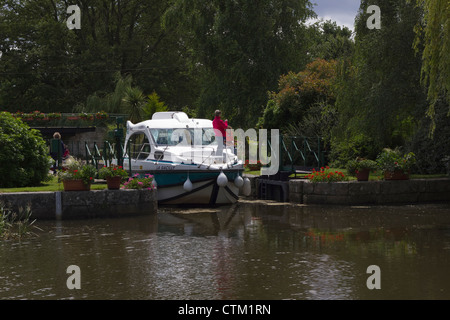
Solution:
(252, 250)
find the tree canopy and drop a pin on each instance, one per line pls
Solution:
(45, 66)
(240, 49)
(263, 64)
(298, 92)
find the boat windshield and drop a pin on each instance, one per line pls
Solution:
(183, 137)
(139, 146)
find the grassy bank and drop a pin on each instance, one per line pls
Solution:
(15, 225)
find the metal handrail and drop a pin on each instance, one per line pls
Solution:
(303, 152)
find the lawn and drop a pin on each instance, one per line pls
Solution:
(52, 185)
(373, 176)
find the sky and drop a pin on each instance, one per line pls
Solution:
(342, 11)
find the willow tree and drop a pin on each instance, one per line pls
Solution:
(435, 31)
(380, 98)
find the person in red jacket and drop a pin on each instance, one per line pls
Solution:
(219, 125)
(220, 128)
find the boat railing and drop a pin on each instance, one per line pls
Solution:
(115, 154)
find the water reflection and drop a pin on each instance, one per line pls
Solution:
(252, 250)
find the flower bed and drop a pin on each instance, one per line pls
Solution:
(326, 175)
(140, 182)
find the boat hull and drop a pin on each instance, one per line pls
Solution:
(204, 190)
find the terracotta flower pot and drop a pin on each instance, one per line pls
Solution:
(396, 175)
(113, 182)
(363, 175)
(76, 185)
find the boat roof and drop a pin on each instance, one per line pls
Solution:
(170, 120)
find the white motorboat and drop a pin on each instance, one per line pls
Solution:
(188, 164)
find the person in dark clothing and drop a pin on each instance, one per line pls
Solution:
(54, 153)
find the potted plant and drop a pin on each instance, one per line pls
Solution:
(101, 115)
(86, 116)
(73, 117)
(54, 116)
(394, 165)
(361, 168)
(37, 115)
(77, 177)
(113, 175)
(27, 117)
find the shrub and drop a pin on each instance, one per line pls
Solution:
(346, 149)
(24, 155)
(432, 152)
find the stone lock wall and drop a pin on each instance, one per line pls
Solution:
(83, 204)
(370, 192)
